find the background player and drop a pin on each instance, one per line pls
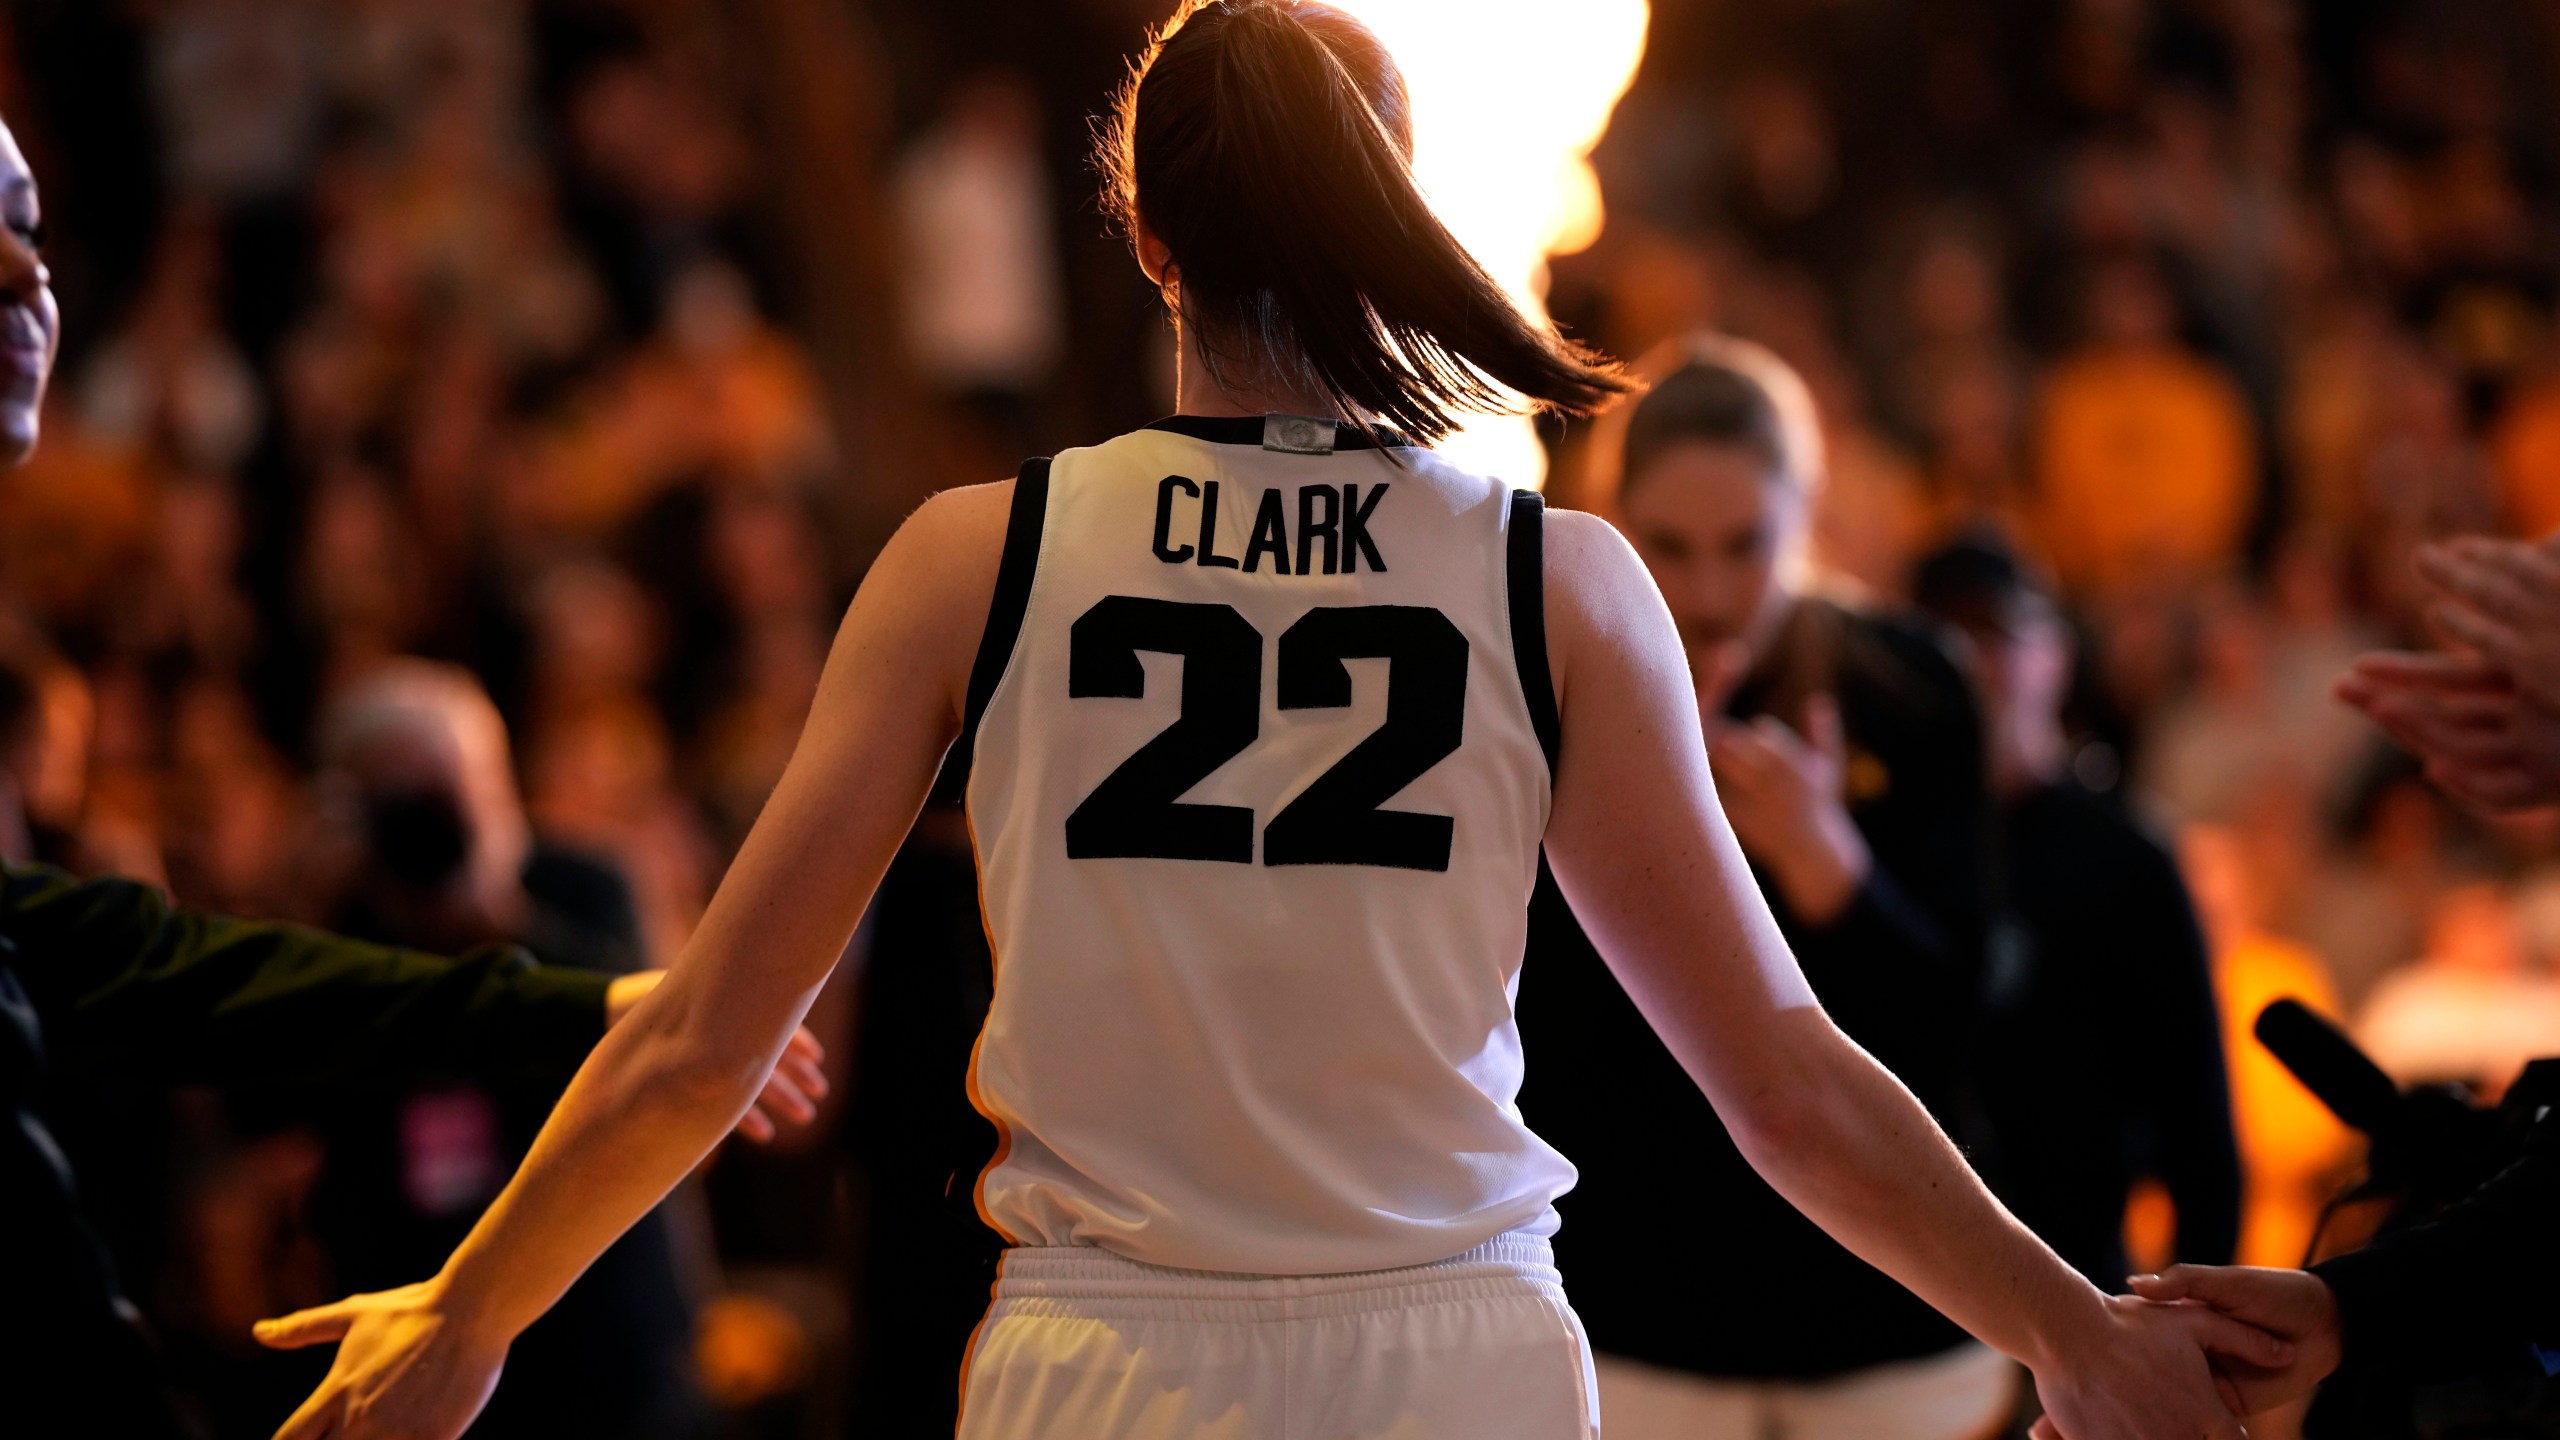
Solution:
(1848, 755)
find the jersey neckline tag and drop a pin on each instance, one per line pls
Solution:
(1298, 434)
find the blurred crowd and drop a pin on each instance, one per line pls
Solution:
(473, 416)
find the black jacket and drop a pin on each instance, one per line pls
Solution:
(1664, 1193)
(102, 977)
(2102, 1049)
(2468, 1291)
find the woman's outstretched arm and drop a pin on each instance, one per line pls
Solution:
(1641, 848)
(667, 1083)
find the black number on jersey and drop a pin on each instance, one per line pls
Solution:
(1137, 811)
(1336, 820)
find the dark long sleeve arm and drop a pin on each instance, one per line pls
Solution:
(1901, 966)
(2472, 1287)
(1893, 975)
(1884, 931)
(119, 975)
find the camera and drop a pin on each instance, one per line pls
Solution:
(2429, 1147)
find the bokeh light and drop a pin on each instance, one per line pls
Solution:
(1509, 96)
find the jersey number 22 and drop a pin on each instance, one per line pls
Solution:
(1137, 811)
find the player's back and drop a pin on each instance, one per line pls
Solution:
(1260, 764)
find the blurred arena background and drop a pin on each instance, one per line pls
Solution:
(588, 349)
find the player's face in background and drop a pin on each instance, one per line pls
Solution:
(2024, 671)
(30, 325)
(1717, 526)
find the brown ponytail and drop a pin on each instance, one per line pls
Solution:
(1268, 144)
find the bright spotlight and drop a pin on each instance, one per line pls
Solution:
(1509, 96)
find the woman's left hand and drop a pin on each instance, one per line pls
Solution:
(406, 1369)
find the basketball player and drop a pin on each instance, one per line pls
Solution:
(1270, 710)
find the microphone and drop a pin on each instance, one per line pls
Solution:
(2331, 1067)
(2430, 1145)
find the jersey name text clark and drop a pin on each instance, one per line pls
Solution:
(1333, 519)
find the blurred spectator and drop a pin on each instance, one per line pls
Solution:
(656, 172)
(2367, 906)
(600, 767)
(2145, 464)
(74, 522)
(170, 377)
(2259, 703)
(2101, 1060)
(2480, 1001)
(769, 578)
(984, 312)
(426, 843)
(2423, 477)
(230, 804)
(717, 389)
(1960, 377)
(47, 711)
(185, 610)
(240, 86)
(362, 589)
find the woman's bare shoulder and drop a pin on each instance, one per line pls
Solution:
(963, 513)
(952, 544)
(1596, 586)
(924, 602)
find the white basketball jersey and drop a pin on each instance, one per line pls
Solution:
(1257, 786)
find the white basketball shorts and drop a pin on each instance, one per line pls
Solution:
(1081, 1344)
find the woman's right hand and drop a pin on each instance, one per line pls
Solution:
(2138, 1371)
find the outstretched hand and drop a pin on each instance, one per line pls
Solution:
(405, 1369)
(2295, 1305)
(408, 1368)
(791, 1093)
(2152, 1375)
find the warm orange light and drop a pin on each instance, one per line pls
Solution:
(1509, 96)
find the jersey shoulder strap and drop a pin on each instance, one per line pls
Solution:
(1022, 531)
(1526, 581)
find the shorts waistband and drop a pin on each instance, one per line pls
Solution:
(1087, 1280)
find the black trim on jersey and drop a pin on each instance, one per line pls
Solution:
(1525, 557)
(1022, 531)
(1247, 430)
